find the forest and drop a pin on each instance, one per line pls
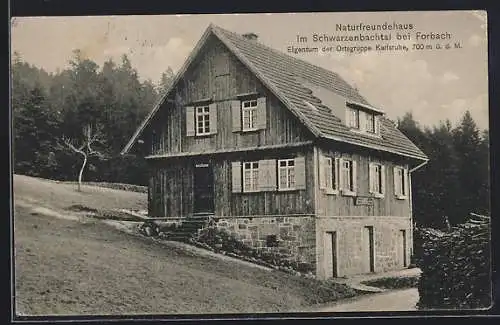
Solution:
(56, 114)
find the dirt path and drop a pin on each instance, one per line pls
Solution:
(397, 300)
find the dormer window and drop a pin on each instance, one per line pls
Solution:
(370, 123)
(363, 120)
(353, 118)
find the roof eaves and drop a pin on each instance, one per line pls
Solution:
(369, 107)
(377, 147)
(173, 84)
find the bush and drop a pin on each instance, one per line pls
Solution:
(403, 282)
(455, 266)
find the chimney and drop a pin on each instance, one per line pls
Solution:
(250, 36)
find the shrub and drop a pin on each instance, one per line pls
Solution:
(455, 266)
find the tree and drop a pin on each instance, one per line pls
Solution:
(91, 136)
(468, 144)
(35, 127)
(166, 80)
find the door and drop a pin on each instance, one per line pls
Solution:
(203, 188)
(369, 249)
(402, 248)
(331, 254)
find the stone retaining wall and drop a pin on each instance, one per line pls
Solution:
(295, 235)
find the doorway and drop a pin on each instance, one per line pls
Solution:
(402, 247)
(203, 188)
(368, 242)
(331, 254)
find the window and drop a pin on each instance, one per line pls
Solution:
(376, 179)
(271, 241)
(353, 118)
(330, 174)
(370, 123)
(202, 120)
(348, 176)
(400, 182)
(286, 174)
(249, 113)
(250, 176)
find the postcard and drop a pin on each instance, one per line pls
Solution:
(250, 164)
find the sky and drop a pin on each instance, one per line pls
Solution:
(432, 84)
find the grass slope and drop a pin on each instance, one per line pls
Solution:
(68, 267)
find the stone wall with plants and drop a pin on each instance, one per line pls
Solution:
(287, 243)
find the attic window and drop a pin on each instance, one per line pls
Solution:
(364, 121)
(311, 106)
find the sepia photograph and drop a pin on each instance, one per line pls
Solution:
(226, 164)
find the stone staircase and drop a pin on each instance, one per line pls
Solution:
(189, 227)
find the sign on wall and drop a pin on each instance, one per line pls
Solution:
(364, 200)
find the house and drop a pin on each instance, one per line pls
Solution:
(284, 154)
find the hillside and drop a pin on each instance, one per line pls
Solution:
(65, 266)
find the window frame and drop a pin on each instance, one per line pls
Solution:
(373, 123)
(204, 115)
(350, 191)
(378, 170)
(252, 111)
(254, 176)
(331, 174)
(287, 170)
(403, 182)
(353, 113)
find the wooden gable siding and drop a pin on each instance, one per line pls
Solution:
(339, 205)
(220, 76)
(171, 189)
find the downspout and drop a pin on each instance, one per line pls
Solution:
(411, 203)
(316, 207)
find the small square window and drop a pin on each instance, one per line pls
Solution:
(272, 241)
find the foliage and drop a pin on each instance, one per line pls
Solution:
(456, 179)
(399, 282)
(47, 106)
(456, 268)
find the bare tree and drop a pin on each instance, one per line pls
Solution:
(91, 136)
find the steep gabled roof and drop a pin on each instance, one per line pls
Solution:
(287, 77)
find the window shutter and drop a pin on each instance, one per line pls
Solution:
(322, 176)
(395, 180)
(236, 170)
(341, 173)
(261, 113)
(300, 173)
(362, 120)
(236, 115)
(377, 124)
(337, 173)
(354, 175)
(371, 176)
(267, 175)
(213, 118)
(382, 171)
(190, 131)
(405, 176)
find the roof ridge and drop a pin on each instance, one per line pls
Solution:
(289, 57)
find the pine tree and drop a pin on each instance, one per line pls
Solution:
(35, 129)
(468, 142)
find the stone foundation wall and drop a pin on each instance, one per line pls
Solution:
(352, 244)
(295, 235)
